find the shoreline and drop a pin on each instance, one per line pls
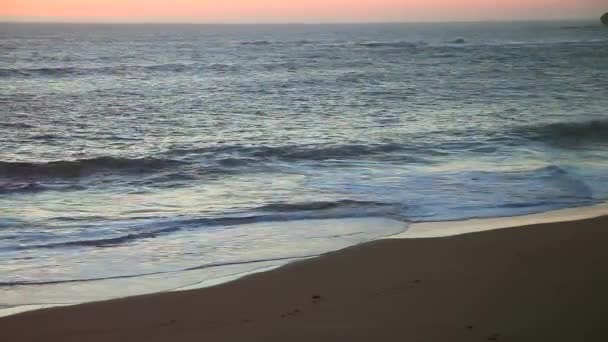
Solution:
(439, 229)
(416, 230)
(519, 282)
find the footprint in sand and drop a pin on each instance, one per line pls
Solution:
(493, 337)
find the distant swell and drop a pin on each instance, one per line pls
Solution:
(312, 152)
(15, 125)
(458, 41)
(398, 44)
(257, 42)
(317, 152)
(267, 42)
(81, 168)
(80, 71)
(340, 44)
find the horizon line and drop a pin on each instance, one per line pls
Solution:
(228, 23)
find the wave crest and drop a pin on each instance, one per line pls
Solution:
(570, 134)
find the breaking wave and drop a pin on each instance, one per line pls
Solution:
(195, 163)
(568, 134)
(229, 158)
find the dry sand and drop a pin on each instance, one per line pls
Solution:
(546, 282)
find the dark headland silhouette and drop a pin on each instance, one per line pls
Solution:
(604, 19)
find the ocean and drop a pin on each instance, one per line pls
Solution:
(149, 158)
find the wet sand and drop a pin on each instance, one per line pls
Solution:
(545, 282)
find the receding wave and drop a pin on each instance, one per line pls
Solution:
(81, 167)
(322, 205)
(33, 187)
(127, 276)
(275, 212)
(105, 242)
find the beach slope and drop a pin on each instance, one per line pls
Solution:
(546, 282)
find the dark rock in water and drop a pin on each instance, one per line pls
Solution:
(605, 19)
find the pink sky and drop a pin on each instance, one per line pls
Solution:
(297, 10)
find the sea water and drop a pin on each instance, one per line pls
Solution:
(149, 158)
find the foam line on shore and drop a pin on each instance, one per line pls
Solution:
(13, 310)
(202, 281)
(415, 231)
(440, 229)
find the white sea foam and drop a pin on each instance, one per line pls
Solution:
(451, 228)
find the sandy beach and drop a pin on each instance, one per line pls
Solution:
(544, 282)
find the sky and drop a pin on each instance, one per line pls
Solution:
(301, 11)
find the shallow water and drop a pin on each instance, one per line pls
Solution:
(134, 157)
